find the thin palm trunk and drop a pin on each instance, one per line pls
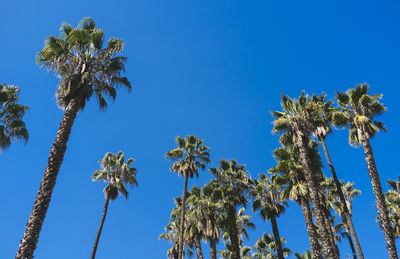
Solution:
(327, 216)
(347, 216)
(234, 234)
(103, 218)
(277, 237)
(42, 202)
(197, 245)
(327, 246)
(312, 234)
(213, 249)
(182, 228)
(351, 243)
(380, 199)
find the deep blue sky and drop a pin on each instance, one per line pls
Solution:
(210, 68)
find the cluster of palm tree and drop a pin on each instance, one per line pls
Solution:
(218, 210)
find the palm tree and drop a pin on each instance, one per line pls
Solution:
(267, 199)
(117, 173)
(321, 132)
(392, 198)
(234, 183)
(172, 236)
(266, 248)
(12, 128)
(85, 69)
(297, 120)
(357, 113)
(288, 174)
(190, 155)
(195, 220)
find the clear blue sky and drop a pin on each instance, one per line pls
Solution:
(210, 68)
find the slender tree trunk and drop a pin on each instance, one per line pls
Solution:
(103, 218)
(234, 234)
(380, 199)
(213, 249)
(182, 228)
(351, 244)
(42, 202)
(347, 220)
(327, 246)
(315, 248)
(197, 245)
(277, 237)
(327, 216)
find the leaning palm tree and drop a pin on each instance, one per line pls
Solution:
(117, 173)
(297, 120)
(357, 113)
(321, 132)
(12, 128)
(234, 183)
(267, 199)
(85, 69)
(190, 156)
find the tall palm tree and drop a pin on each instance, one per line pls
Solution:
(85, 69)
(267, 199)
(298, 118)
(12, 128)
(190, 155)
(234, 184)
(321, 132)
(117, 173)
(266, 248)
(357, 113)
(288, 173)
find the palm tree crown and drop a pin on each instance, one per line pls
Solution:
(83, 65)
(12, 128)
(117, 173)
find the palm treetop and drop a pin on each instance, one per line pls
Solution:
(117, 173)
(12, 128)
(83, 66)
(357, 112)
(190, 155)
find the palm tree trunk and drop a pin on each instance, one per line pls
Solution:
(42, 202)
(351, 243)
(197, 245)
(327, 216)
(277, 238)
(347, 217)
(103, 218)
(380, 199)
(327, 246)
(182, 227)
(234, 234)
(305, 206)
(213, 249)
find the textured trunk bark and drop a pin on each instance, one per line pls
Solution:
(347, 220)
(315, 248)
(327, 216)
(327, 246)
(380, 199)
(181, 243)
(103, 218)
(42, 202)
(213, 249)
(277, 237)
(197, 245)
(234, 234)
